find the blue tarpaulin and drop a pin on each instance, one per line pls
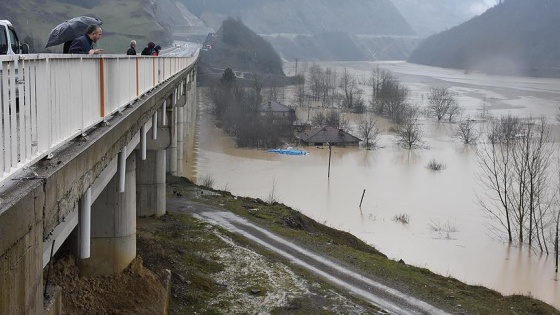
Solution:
(288, 151)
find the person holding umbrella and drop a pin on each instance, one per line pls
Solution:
(84, 44)
(69, 30)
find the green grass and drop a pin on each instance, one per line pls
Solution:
(444, 292)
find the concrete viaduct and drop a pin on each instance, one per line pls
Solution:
(86, 145)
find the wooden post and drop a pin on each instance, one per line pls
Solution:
(362, 198)
(329, 174)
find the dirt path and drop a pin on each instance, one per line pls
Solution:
(389, 299)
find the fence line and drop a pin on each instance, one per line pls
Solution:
(58, 97)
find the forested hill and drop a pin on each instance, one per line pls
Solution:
(123, 21)
(371, 17)
(516, 37)
(235, 45)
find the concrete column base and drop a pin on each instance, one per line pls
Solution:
(150, 184)
(109, 256)
(113, 227)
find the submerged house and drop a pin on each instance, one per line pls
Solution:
(277, 112)
(328, 135)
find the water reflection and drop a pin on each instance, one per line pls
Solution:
(447, 229)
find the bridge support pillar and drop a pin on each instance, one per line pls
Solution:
(150, 184)
(180, 139)
(113, 226)
(172, 151)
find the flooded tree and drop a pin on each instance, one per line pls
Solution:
(368, 131)
(389, 96)
(315, 80)
(332, 118)
(351, 94)
(330, 80)
(236, 109)
(300, 97)
(466, 131)
(514, 173)
(409, 133)
(441, 103)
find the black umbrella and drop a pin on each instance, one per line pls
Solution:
(70, 30)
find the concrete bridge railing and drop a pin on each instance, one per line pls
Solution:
(137, 112)
(61, 96)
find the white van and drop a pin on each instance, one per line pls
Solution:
(10, 45)
(9, 41)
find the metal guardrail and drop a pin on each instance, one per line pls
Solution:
(61, 96)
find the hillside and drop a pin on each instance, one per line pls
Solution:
(318, 29)
(340, 46)
(307, 30)
(517, 37)
(374, 17)
(235, 45)
(123, 20)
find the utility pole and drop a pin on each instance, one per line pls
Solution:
(296, 65)
(329, 174)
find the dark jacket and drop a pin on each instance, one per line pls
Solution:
(66, 46)
(131, 51)
(147, 51)
(81, 45)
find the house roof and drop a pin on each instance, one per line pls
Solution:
(273, 106)
(327, 134)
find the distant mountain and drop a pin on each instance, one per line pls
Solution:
(235, 45)
(517, 37)
(373, 17)
(434, 16)
(318, 29)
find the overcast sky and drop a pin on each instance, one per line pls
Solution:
(432, 16)
(483, 5)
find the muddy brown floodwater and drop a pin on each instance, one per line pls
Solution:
(448, 232)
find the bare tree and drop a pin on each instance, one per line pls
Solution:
(485, 109)
(332, 118)
(497, 171)
(531, 163)
(318, 120)
(515, 163)
(466, 131)
(454, 111)
(256, 88)
(368, 131)
(274, 90)
(410, 134)
(315, 79)
(442, 102)
(350, 90)
(328, 86)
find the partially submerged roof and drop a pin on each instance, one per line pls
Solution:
(328, 134)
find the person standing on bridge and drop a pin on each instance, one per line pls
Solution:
(132, 49)
(147, 51)
(84, 44)
(156, 50)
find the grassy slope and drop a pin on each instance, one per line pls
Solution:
(123, 20)
(444, 292)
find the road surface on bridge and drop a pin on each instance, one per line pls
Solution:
(388, 299)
